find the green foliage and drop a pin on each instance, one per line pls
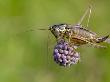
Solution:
(26, 57)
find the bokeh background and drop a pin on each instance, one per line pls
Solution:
(26, 56)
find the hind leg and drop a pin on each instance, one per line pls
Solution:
(96, 45)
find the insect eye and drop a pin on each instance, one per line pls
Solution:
(62, 28)
(68, 28)
(53, 28)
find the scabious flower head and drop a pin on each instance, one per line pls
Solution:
(64, 54)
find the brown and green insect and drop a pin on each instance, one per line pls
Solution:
(77, 34)
(69, 37)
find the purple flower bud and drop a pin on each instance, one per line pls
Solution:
(66, 52)
(55, 50)
(68, 57)
(76, 54)
(60, 46)
(61, 51)
(65, 55)
(58, 55)
(65, 47)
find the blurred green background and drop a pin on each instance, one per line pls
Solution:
(27, 56)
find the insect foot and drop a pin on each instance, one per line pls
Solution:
(65, 55)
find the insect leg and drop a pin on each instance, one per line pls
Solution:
(93, 44)
(88, 10)
(89, 16)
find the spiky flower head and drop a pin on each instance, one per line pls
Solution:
(65, 54)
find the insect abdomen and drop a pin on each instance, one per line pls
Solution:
(81, 36)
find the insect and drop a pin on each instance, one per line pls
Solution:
(77, 34)
(71, 36)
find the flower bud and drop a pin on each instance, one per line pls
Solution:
(65, 54)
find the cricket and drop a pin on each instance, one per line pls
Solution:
(70, 37)
(77, 34)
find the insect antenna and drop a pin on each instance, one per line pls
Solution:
(46, 55)
(30, 30)
(36, 29)
(47, 50)
(47, 44)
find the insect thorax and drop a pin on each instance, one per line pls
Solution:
(59, 30)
